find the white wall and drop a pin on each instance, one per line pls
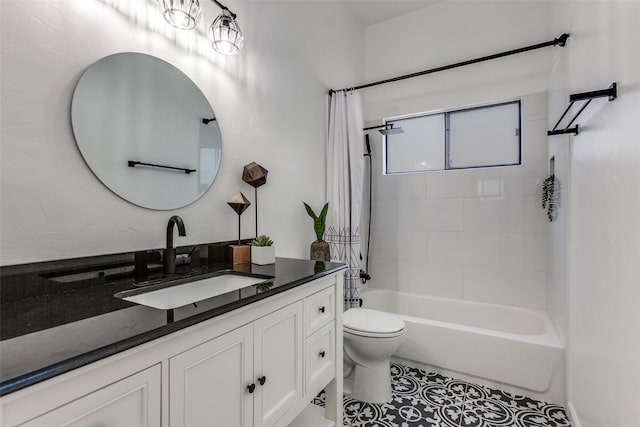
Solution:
(604, 251)
(558, 245)
(476, 234)
(270, 101)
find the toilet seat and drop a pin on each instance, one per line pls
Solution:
(372, 323)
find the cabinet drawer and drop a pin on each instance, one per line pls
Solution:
(321, 358)
(133, 401)
(319, 309)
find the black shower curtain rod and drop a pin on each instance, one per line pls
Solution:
(560, 41)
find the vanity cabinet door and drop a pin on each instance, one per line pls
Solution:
(208, 385)
(133, 401)
(278, 363)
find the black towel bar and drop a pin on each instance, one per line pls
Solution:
(132, 164)
(611, 93)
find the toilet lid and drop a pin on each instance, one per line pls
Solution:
(371, 321)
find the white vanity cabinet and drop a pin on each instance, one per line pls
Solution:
(257, 366)
(133, 401)
(209, 382)
(278, 361)
(247, 377)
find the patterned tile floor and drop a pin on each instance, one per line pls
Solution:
(422, 399)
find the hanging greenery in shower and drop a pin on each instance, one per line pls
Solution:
(551, 197)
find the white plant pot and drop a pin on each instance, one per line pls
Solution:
(263, 255)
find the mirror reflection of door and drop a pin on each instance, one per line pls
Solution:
(132, 107)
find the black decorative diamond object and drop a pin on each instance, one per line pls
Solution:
(239, 203)
(254, 175)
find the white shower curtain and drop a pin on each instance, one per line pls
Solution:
(345, 179)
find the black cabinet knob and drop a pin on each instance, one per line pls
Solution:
(251, 388)
(262, 380)
(322, 354)
(321, 309)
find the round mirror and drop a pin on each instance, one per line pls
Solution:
(146, 131)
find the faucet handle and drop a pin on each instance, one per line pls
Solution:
(194, 255)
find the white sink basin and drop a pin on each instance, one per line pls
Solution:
(191, 292)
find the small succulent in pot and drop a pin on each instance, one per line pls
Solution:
(262, 250)
(262, 241)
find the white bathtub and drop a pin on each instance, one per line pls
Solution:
(508, 345)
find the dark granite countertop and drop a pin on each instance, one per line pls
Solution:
(60, 315)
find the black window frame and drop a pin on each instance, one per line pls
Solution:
(447, 140)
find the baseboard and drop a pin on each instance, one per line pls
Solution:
(573, 415)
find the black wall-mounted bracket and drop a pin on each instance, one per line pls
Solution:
(611, 92)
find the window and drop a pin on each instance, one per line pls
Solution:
(469, 138)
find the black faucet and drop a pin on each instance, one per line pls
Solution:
(169, 254)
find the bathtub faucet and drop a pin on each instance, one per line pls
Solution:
(364, 276)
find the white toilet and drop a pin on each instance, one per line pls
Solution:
(370, 338)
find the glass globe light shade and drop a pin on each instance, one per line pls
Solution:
(183, 14)
(225, 34)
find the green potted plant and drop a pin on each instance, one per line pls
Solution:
(320, 250)
(262, 251)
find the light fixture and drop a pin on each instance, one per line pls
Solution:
(183, 14)
(224, 33)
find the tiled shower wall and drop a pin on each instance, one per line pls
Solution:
(477, 234)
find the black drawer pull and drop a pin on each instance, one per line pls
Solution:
(262, 380)
(321, 309)
(251, 388)
(322, 354)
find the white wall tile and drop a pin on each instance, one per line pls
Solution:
(513, 250)
(489, 185)
(535, 218)
(384, 274)
(430, 279)
(446, 248)
(524, 251)
(482, 249)
(412, 215)
(503, 286)
(444, 215)
(449, 184)
(534, 107)
(515, 218)
(535, 251)
(400, 187)
(489, 214)
(412, 245)
(384, 245)
(517, 182)
(535, 165)
(532, 289)
(384, 215)
(535, 133)
(411, 277)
